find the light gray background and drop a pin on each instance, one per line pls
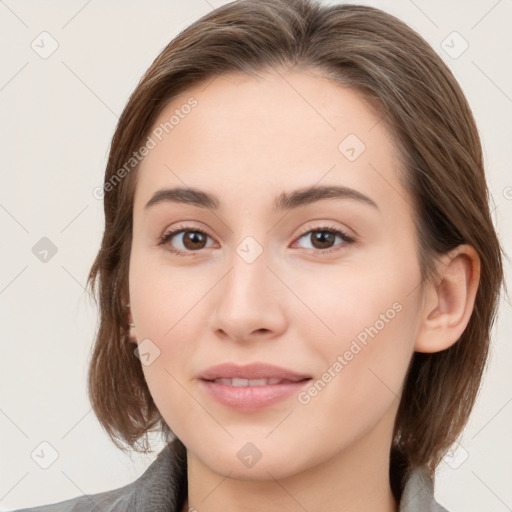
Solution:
(58, 116)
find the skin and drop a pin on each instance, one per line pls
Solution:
(247, 141)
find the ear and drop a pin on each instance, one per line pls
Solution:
(132, 338)
(449, 300)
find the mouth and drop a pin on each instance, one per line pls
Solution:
(251, 395)
(242, 383)
(250, 387)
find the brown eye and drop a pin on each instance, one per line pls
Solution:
(323, 239)
(192, 240)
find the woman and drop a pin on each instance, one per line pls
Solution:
(299, 271)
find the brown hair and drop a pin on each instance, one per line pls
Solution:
(424, 107)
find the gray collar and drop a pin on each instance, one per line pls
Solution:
(418, 493)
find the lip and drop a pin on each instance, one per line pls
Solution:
(251, 398)
(255, 370)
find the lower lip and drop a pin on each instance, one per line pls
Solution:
(251, 398)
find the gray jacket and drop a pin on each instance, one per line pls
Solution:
(163, 488)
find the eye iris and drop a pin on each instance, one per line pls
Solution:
(193, 237)
(324, 237)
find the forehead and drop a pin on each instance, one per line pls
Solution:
(238, 135)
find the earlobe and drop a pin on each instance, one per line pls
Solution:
(449, 301)
(131, 336)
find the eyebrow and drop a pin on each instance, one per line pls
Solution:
(285, 201)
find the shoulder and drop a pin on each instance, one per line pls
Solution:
(161, 487)
(418, 493)
(116, 500)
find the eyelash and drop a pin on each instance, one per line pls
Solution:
(167, 236)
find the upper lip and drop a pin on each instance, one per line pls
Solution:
(251, 371)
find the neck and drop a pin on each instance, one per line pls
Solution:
(356, 479)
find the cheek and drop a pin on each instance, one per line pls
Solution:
(362, 378)
(362, 300)
(371, 320)
(161, 296)
(373, 362)
(166, 306)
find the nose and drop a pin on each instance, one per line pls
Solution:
(250, 302)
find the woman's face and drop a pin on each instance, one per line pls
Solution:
(266, 277)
